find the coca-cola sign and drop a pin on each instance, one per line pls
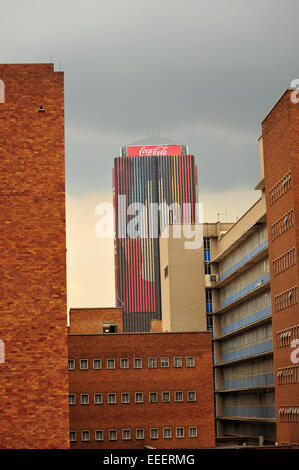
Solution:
(154, 150)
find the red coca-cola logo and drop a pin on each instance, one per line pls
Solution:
(154, 150)
(148, 151)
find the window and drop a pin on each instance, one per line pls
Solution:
(190, 361)
(209, 322)
(179, 432)
(72, 399)
(209, 301)
(166, 272)
(177, 362)
(98, 398)
(138, 397)
(110, 363)
(126, 433)
(152, 362)
(110, 328)
(164, 361)
(124, 363)
(85, 436)
(137, 363)
(178, 396)
(192, 396)
(84, 399)
(71, 364)
(112, 434)
(167, 433)
(166, 396)
(73, 436)
(207, 249)
(97, 364)
(154, 433)
(153, 397)
(207, 268)
(193, 432)
(125, 397)
(84, 364)
(140, 433)
(111, 398)
(99, 435)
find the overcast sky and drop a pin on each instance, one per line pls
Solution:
(205, 73)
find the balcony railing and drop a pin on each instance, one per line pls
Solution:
(236, 325)
(244, 260)
(248, 351)
(246, 290)
(250, 381)
(251, 411)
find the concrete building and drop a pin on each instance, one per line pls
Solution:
(132, 390)
(243, 348)
(34, 380)
(182, 280)
(226, 286)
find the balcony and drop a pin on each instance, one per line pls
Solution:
(253, 257)
(250, 319)
(251, 350)
(246, 292)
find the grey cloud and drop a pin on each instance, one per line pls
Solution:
(204, 72)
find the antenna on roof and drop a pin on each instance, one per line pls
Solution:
(50, 58)
(59, 66)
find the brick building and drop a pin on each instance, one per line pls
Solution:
(33, 327)
(131, 390)
(280, 140)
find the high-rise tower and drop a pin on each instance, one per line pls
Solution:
(154, 181)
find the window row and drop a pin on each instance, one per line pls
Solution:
(127, 434)
(289, 414)
(280, 188)
(282, 225)
(124, 363)
(286, 299)
(285, 337)
(125, 397)
(288, 375)
(284, 262)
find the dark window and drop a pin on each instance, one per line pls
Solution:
(110, 328)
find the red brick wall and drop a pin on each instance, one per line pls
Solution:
(34, 382)
(147, 415)
(281, 151)
(91, 320)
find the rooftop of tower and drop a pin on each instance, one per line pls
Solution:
(162, 144)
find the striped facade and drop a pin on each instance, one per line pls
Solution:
(166, 188)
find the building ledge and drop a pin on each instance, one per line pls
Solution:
(249, 419)
(245, 389)
(245, 297)
(241, 359)
(261, 184)
(254, 260)
(244, 328)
